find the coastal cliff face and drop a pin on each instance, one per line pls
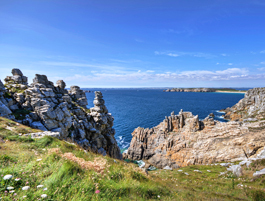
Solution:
(252, 106)
(182, 140)
(50, 107)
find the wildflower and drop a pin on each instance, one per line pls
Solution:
(39, 186)
(45, 189)
(15, 194)
(97, 191)
(158, 196)
(44, 196)
(25, 188)
(10, 188)
(5, 191)
(17, 179)
(27, 182)
(7, 177)
(11, 191)
(39, 159)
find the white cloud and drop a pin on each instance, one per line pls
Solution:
(150, 71)
(224, 55)
(261, 69)
(230, 64)
(173, 55)
(217, 63)
(262, 62)
(192, 54)
(262, 52)
(147, 77)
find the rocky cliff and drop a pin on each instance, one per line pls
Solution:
(183, 139)
(251, 107)
(50, 107)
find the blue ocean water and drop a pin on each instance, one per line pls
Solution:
(132, 108)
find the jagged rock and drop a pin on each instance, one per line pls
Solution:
(78, 95)
(183, 139)
(16, 71)
(38, 125)
(251, 106)
(52, 108)
(61, 84)
(4, 110)
(17, 78)
(2, 87)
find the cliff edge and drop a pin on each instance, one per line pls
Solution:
(48, 107)
(182, 139)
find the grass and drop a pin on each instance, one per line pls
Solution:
(70, 173)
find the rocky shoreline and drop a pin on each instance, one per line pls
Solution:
(182, 139)
(190, 90)
(48, 107)
(220, 90)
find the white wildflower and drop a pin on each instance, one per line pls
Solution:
(45, 189)
(44, 196)
(7, 177)
(17, 179)
(39, 186)
(25, 188)
(11, 191)
(10, 188)
(158, 196)
(39, 159)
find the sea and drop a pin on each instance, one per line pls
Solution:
(132, 108)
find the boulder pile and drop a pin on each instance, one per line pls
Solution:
(50, 107)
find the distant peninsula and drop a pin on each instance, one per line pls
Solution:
(224, 90)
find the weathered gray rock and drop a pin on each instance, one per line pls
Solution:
(4, 110)
(42, 134)
(16, 71)
(251, 106)
(38, 125)
(52, 108)
(258, 173)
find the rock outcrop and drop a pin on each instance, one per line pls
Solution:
(190, 90)
(50, 107)
(251, 107)
(183, 139)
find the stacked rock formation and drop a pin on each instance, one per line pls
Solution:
(251, 106)
(183, 139)
(47, 107)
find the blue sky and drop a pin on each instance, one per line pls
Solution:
(147, 43)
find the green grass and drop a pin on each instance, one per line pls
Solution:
(120, 180)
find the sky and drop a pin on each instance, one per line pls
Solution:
(135, 43)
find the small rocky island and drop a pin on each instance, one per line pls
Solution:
(229, 90)
(182, 139)
(48, 107)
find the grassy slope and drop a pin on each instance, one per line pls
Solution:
(67, 180)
